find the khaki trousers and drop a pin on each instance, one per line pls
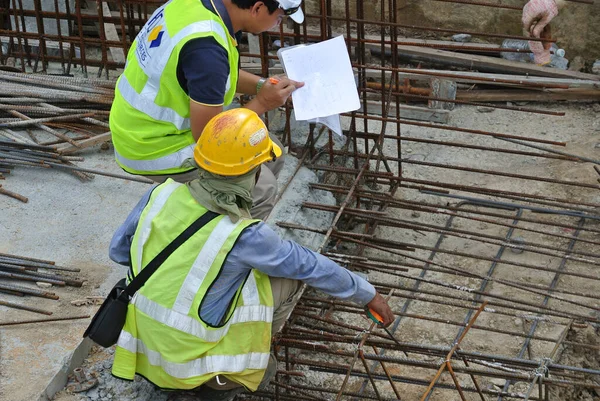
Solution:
(264, 193)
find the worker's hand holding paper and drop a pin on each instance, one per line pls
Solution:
(329, 86)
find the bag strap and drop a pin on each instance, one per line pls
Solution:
(139, 280)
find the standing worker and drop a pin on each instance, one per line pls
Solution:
(203, 322)
(537, 15)
(181, 70)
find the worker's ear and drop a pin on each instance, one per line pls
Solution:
(256, 8)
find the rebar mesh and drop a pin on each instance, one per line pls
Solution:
(492, 271)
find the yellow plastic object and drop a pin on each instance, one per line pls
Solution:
(234, 142)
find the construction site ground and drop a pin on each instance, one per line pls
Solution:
(482, 235)
(71, 223)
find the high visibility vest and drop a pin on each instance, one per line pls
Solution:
(150, 114)
(164, 339)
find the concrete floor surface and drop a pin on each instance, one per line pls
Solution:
(71, 223)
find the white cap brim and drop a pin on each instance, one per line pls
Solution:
(298, 16)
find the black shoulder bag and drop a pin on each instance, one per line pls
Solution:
(107, 323)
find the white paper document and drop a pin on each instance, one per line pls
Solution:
(332, 122)
(327, 74)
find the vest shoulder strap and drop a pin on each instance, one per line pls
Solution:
(139, 280)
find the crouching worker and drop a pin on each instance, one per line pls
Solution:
(203, 322)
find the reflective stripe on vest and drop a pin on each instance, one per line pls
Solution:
(189, 325)
(202, 264)
(156, 207)
(145, 104)
(173, 160)
(196, 367)
(144, 101)
(249, 291)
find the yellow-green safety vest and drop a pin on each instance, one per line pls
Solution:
(150, 114)
(164, 339)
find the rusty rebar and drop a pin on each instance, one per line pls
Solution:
(311, 302)
(377, 243)
(446, 364)
(14, 195)
(484, 4)
(458, 129)
(31, 275)
(27, 121)
(32, 278)
(32, 263)
(28, 291)
(36, 121)
(363, 22)
(385, 178)
(47, 164)
(523, 365)
(54, 319)
(425, 206)
(417, 96)
(386, 220)
(23, 307)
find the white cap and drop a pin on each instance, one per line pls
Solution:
(287, 5)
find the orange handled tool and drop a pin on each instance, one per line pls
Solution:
(374, 316)
(274, 80)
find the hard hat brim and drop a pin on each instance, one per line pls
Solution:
(277, 150)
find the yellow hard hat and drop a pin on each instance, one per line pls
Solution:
(234, 142)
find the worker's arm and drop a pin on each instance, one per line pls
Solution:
(200, 115)
(270, 97)
(120, 245)
(261, 248)
(247, 83)
(273, 94)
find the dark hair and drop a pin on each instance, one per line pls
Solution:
(272, 5)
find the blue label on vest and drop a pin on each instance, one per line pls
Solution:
(150, 37)
(155, 36)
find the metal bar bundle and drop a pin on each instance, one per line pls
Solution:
(24, 271)
(26, 155)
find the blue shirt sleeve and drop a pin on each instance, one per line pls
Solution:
(203, 70)
(120, 244)
(261, 248)
(258, 247)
